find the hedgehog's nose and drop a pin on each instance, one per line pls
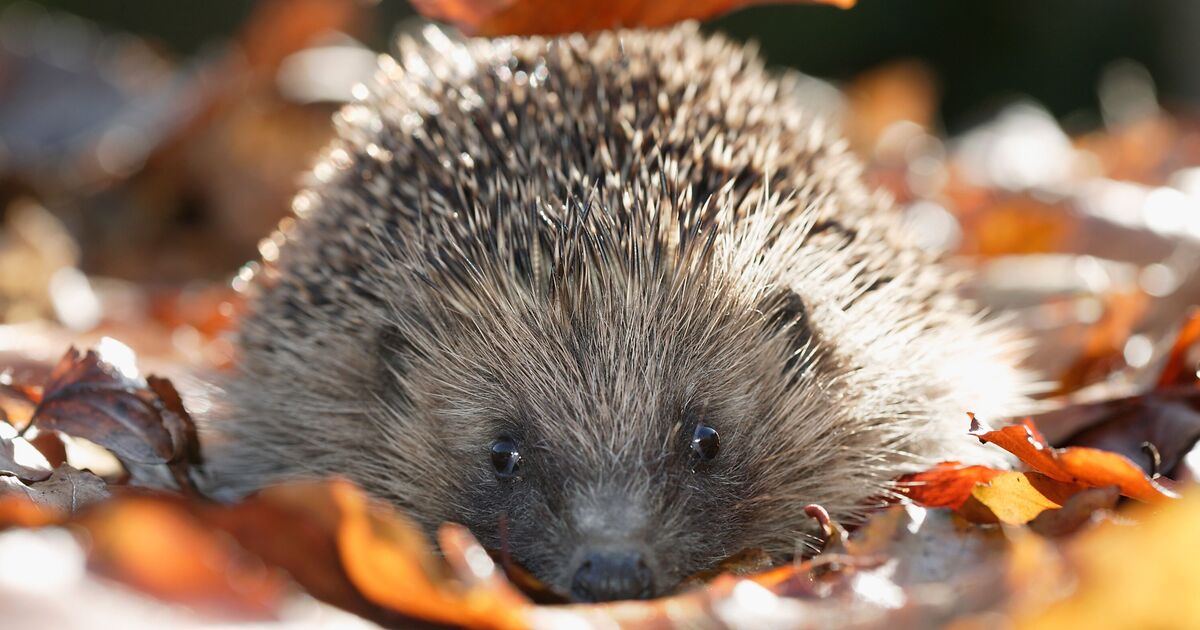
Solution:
(608, 574)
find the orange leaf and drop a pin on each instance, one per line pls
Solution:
(20, 511)
(549, 17)
(390, 562)
(946, 485)
(1104, 342)
(1178, 370)
(1088, 467)
(276, 522)
(154, 546)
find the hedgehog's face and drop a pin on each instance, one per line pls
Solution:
(604, 522)
(610, 450)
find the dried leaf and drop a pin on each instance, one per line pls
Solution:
(948, 484)
(277, 522)
(1131, 577)
(50, 445)
(18, 510)
(379, 550)
(1086, 467)
(547, 17)
(1180, 368)
(158, 548)
(177, 421)
(1167, 419)
(65, 491)
(143, 424)
(356, 552)
(1016, 498)
(1076, 512)
(90, 398)
(19, 458)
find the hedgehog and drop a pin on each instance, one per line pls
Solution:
(616, 302)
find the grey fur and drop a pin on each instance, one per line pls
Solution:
(588, 244)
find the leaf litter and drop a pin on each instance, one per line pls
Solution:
(1092, 528)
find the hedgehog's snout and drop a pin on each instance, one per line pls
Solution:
(611, 574)
(613, 559)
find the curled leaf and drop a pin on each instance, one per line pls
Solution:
(379, 551)
(143, 424)
(1168, 419)
(1087, 467)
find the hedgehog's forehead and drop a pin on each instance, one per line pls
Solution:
(570, 335)
(611, 322)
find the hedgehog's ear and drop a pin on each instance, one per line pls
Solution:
(785, 314)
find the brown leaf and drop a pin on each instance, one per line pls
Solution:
(948, 484)
(1168, 419)
(177, 421)
(143, 424)
(1076, 512)
(1086, 467)
(19, 458)
(357, 551)
(66, 490)
(50, 445)
(547, 17)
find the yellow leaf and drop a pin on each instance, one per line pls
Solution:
(1133, 577)
(1015, 498)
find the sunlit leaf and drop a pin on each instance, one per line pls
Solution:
(1086, 467)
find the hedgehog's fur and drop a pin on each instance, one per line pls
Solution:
(587, 244)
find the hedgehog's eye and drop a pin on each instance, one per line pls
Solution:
(705, 442)
(506, 458)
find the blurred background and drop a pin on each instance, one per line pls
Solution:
(148, 150)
